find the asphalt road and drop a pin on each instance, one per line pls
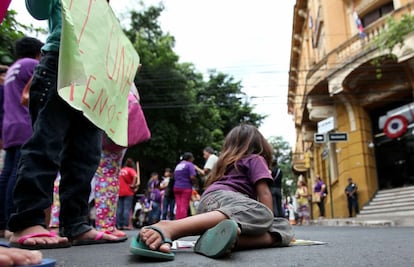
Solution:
(346, 246)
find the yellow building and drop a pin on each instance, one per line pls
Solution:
(336, 91)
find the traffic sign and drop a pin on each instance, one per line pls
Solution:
(319, 138)
(326, 125)
(337, 137)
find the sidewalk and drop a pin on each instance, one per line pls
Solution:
(395, 221)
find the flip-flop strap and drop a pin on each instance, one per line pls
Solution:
(158, 230)
(25, 237)
(3, 244)
(100, 234)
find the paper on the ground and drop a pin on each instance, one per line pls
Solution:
(97, 65)
(181, 244)
(302, 242)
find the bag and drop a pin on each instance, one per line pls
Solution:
(317, 197)
(138, 131)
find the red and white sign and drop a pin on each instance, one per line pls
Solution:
(395, 126)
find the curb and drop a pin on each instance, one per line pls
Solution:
(353, 222)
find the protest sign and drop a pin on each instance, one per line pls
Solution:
(97, 65)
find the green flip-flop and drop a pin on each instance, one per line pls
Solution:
(217, 241)
(138, 247)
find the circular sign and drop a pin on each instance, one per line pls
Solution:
(395, 126)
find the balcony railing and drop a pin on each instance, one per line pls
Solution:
(354, 46)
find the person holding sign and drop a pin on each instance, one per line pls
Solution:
(63, 140)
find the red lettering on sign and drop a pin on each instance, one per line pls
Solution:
(72, 92)
(87, 90)
(111, 75)
(85, 22)
(102, 101)
(111, 113)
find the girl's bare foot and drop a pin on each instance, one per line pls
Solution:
(16, 256)
(154, 240)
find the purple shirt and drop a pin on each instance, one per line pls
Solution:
(17, 127)
(318, 187)
(250, 170)
(182, 174)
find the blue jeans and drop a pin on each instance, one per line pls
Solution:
(353, 205)
(63, 140)
(154, 215)
(7, 182)
(168, 205)
(123, 211)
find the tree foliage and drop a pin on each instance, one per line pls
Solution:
(390, 37)
(184, 112)
(10, 31)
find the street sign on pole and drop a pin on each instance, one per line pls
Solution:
(319, 138)
(337, 137)
(326, 125)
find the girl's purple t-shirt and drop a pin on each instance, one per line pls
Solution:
(182, 174)
(17, 127)
(250, 170)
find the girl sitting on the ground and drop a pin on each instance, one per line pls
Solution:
(235, 211)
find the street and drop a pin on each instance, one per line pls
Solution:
(346, 246)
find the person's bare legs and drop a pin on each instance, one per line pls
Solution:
(16, 256)
(32, 241)
(193, 225)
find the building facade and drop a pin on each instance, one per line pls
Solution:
(351, 100)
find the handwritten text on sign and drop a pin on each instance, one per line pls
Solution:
(97, 65)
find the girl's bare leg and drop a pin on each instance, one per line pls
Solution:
(257, 241)
(193, 225)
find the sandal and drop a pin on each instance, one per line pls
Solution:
(219, 240)
(20, 242)
(138, 247)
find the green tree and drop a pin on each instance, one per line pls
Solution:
(282, 152)
(10, 31)
(390, 37)
(184, 112)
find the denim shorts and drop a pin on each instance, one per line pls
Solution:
(253, 217)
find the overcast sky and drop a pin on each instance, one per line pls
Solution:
(249, 40)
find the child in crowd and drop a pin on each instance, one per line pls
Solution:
(155, 198)
(15, 125)
(168, 200)
(235, 210)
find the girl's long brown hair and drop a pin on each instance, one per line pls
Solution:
(241, 141)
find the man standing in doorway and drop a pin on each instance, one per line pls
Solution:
(351, 194)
